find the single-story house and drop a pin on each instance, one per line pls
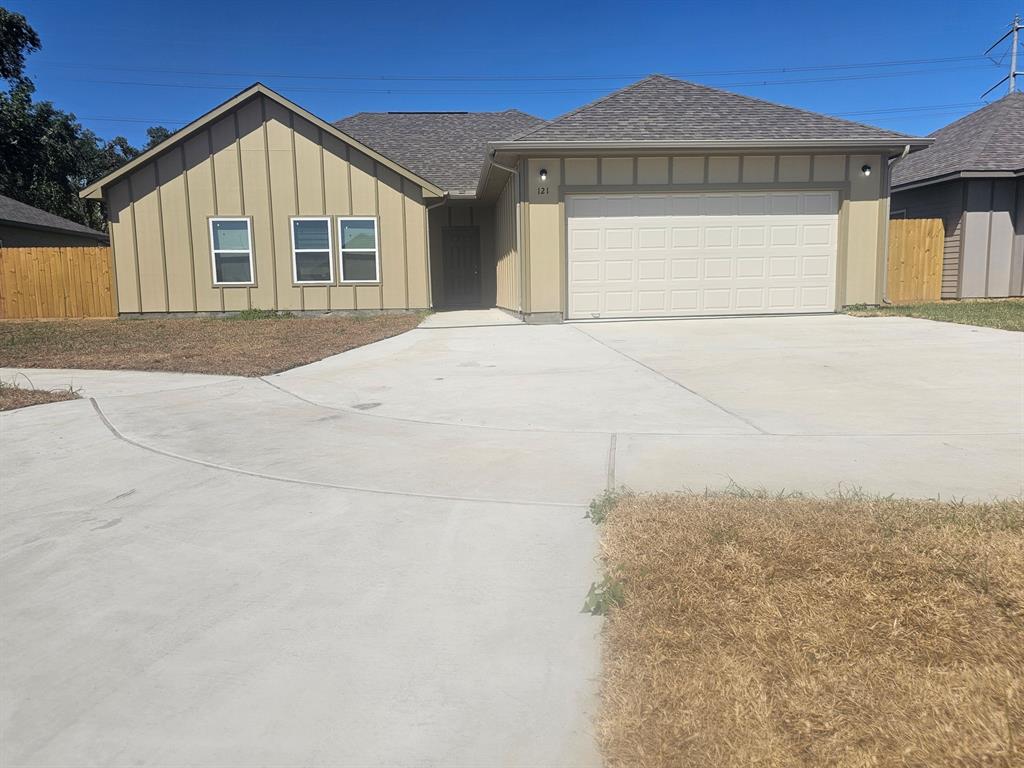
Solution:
(972, 178)
(662, 199)
(22, 226)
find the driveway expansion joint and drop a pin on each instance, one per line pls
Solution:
(669, 379)
(315, 484)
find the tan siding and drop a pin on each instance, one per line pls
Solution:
(861, 248)
(147, 233)
(339, 202)
(175, 229)
(257, 203)
(202, 205)
(416, 246)
(122, 240)
(506, 254)
(392, 238)
(262, 162)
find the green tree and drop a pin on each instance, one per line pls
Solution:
(47, 157)
(17, 40)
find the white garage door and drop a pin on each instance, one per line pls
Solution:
(716, 253)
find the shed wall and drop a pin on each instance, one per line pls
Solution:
(993, 256)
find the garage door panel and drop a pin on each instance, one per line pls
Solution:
(702, 253)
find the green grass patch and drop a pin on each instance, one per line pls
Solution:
(260, 314)
(1006, 314)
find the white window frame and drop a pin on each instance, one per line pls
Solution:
(375, 250)
(295, 251)
(214, 251)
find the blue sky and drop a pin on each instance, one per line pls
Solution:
(121, 66)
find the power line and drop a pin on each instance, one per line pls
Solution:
(518, 77)
(884, 111)
(517, 91)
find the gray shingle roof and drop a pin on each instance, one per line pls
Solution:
(448, 148)
(16, 212)
(991, 139)
(660, 108)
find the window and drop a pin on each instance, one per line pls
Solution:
(231, 246)
(311, 250)
(359, 257)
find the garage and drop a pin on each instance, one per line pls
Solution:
(701, 253)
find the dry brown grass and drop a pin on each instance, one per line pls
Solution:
(760, 631)
(13, 396)
(221, 346)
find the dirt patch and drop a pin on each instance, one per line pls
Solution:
(12, 396)
(241, 347)
(807, 632)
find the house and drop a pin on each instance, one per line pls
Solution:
(662, 199)
(972, 178)
(23, 226)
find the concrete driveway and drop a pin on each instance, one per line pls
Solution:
(379, 559)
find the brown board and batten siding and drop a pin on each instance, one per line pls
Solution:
(264, 162)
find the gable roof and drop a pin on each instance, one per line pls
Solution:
(15, 212)
(95, 190)
(989, 141)
(663, 109)
(446, 147)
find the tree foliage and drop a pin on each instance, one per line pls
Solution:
(47, 157)
(17, 40)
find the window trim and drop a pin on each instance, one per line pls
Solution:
(295, 251)
(375, 250)
(214, 251)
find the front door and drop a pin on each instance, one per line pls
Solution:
(461, 250)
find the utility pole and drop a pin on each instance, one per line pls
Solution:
(1013, 34)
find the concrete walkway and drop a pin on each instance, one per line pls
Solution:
(379, 559)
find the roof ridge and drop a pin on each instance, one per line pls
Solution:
(983, 137)
(588, 105)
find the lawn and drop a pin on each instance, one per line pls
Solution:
(758, 630)
(13, 396)
(251, 346)
(1007, 314)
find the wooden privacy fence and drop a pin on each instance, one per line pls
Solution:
(915, 260)
(56, 282)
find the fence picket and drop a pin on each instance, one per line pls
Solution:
(915, 260)
(56, 283)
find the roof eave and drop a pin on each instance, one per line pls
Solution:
(90, 233)
(95, 190)
(954, 175)
(891, 144)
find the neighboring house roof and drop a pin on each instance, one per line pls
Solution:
(446, 147)
(20, 214)
(984, 143)
(663, 109)
(95, 190)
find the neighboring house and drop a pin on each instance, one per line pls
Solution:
(972, 178)
(23, 226)
(662, 199)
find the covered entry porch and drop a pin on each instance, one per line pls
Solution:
(473, 260)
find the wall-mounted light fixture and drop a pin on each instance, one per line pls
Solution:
(543, 174)
(866, 170)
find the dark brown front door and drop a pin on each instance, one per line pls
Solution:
(461, 249)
